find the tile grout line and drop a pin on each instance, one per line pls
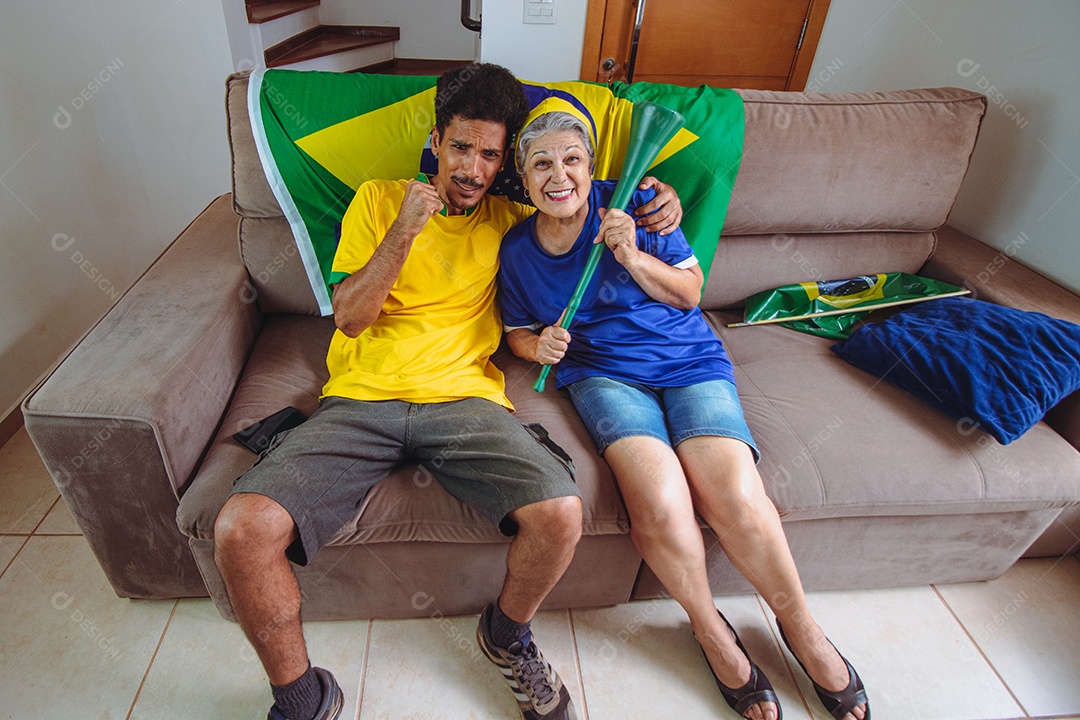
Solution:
(980, 651)
(161, 639)
(23, 546)
(11, 562)
(42, 520)
(51, 508)
(577, 663)
(783, 656)
(363, 670)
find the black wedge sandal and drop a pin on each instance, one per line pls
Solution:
(757, 689)
(838, 703)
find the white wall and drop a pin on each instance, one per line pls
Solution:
(543, 53)
(113, 140)
(244, 39)
(429, 30)
(1022, 192)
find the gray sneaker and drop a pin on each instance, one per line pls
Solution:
(539, 690)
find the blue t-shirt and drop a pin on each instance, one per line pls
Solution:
(619, 331)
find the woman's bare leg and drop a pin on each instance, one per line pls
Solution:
(665, 530)
(728, 493)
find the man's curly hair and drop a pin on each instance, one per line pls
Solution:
(481, 91)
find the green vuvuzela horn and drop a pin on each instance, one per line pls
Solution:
(652, 126)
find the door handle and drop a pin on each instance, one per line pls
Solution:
(607, 69)
(467, 20)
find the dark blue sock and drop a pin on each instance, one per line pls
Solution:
(301, 698)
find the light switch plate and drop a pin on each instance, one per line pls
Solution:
(539, 12)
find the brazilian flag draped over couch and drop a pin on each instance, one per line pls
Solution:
(320, 135)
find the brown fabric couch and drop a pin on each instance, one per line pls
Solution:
(874, 487)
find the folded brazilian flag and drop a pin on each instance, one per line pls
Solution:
(320, 135)
(831, 308)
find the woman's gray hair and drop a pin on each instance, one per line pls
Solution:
(555, 121)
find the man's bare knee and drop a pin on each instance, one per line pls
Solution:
(249, 522)
(559, 519)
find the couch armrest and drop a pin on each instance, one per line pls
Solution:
(993, 275)
(123, 421)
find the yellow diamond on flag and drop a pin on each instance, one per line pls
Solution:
(682, 139)
(384, 143)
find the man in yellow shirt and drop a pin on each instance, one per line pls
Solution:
(411, 380)
(430, 339)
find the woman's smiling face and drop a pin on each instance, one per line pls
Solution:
(558, 175)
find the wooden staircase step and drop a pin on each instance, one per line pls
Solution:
(413, 66)
(327, 40)
(260, 11)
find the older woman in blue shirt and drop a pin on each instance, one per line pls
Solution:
(655, 389)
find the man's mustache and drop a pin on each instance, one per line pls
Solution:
(467, 182)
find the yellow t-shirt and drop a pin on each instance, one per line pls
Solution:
(439, 326)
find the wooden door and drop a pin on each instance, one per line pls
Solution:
(764, 44)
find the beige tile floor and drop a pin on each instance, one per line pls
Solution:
(69, 648)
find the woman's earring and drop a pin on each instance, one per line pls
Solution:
(526, 191)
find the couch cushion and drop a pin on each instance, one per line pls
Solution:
(836, 185)
(836, 441)
(838, 162)
(748, 264)
(287, 367)
(279, 283)
(252, 196)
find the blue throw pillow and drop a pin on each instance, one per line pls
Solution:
(998, 367)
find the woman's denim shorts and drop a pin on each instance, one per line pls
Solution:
(613, 409)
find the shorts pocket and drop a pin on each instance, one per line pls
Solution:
(541, 435)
